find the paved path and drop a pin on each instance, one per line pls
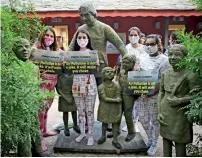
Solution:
(55, 117)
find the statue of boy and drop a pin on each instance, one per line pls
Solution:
(176, 88)
(66, 101)
(99, 33)
(110, 108)
(32, 147)
(128, 62)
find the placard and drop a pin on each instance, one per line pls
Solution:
(81, 62)
(142, 82)
(48, 61)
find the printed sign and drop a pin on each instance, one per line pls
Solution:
(142, 82)
(48, 61)
(81, 62)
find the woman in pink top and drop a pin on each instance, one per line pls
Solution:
(47, 41)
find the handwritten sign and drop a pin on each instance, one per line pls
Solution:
(81, 62)
(142, 82)
(48, 61)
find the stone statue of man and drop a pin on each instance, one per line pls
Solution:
(128, 62)
(110, 107)
(32, 147)
(100, 33)
(176, 89)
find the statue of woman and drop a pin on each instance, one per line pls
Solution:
(176, 88)
(110, 108)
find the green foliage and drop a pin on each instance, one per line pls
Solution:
(20, 87)
(198, 4)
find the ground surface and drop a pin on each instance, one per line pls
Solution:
(55, 117)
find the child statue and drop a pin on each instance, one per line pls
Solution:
(176, 88)
(66, 101)
(128, 63)
(110, 108)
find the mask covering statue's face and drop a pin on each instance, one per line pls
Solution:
(134, 39)
(82, 40)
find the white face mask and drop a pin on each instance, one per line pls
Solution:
(82, 42)
(151, 49)
(134, 39)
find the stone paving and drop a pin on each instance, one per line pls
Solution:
(55, 117)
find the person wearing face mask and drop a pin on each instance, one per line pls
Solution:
(134, 47)
(46, 41)
(158, 63)
(84, 90)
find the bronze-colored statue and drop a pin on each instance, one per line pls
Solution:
(110, 108)
(128, 62)
(66, 101)
(99, 33)
(32, 147)
(176, 88)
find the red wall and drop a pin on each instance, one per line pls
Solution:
(146, 25)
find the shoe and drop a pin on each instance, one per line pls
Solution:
(125, 129)
(66, 132)
(47, 134)
(152, 150)
(79, 138)
(101, 140)
(90, 141)
(130, 137)
(116, 145)
(76, 129)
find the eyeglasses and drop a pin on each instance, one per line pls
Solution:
(47, 35)
(82, 37)
(150, 44)
(133, 35)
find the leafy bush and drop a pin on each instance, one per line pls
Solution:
(20, 91)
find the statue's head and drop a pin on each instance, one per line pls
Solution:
(175, 53)
(22, 49)
(108, 73)
(88, 13)
(128, 62)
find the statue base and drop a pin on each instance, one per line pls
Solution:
(69, 144)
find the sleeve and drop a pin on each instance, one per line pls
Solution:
(193, 83)
(118, 91)
(71, 45)
(113, 37)
(165, 66)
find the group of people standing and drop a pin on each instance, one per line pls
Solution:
(78, 92)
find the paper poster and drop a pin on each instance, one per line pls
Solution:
(142, 82)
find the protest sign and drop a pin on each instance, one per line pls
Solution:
(142, 82)
(48, 61)
(80, 62)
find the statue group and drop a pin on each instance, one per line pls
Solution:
(177, 86)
